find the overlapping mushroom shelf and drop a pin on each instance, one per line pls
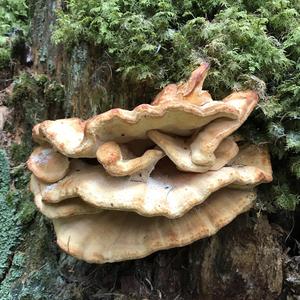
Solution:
(125, 184)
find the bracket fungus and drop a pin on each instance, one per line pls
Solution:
(47, 164)
(124, 184)
(119, 161)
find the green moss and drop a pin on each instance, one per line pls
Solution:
(9, 229)
(34, 275)
(4, 173)
(295, 166)
(162, 41)
(250, 44)
(16, 211)
(13, 20)
(285, 198)
(4, 58)
(21, 152)
(54, 92)
(25, 271)
(26, 98)
(27, 209)
(21, 200)
(34, 99)
(16, 271)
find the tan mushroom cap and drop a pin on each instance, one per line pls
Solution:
(115, 236)
(167, 192)
(68, 136)
(118, 161)
(179, 151)
(254, 155)
(67, 208)
(76, 138)
(186, 102)
(47, 164)
(191, 91)
(210, 137)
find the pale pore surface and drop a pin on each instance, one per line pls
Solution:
(167, 192)
(115, 236)
(47, 164)
(118, 160)
(67, 208)
(179, 151)
(210, 137)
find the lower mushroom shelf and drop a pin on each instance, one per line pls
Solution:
(113, 236)
(166, 192)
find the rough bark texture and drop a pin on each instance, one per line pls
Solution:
(245, 260)
(86, 71)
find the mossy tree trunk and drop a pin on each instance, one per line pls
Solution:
(245, 260)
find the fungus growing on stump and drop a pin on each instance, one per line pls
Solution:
(163, 175)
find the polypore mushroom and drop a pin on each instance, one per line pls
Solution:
(67, 208)
(66, 135)
(47, 164)
(167, 192)
(185, 102)
(179, 151)
(191, 91)
(210, 137)
(253, 155)
(115, 236)
(119, 161)
(76, 138)
(122, 207)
